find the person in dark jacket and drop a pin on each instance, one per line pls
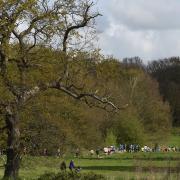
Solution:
(71, 165)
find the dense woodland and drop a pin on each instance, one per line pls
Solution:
(53, 120)
(167, 73)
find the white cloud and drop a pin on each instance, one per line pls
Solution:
(149, 29)
(143, 14)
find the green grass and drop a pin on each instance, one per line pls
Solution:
(147, 166)
(116, 166)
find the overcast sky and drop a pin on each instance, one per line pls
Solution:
(149, 29)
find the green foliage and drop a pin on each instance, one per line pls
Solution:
(52, 120)
(111, 139)
(129, 129)
(69, 123)
(71, 176)
(41, 57)
(167, 73)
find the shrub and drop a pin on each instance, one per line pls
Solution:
(71, 176)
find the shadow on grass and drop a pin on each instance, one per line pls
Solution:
(110, 168)
(136, 158)
(131, 168)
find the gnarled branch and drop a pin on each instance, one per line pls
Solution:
(82, 96)
(84, 22)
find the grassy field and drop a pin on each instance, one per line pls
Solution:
(114, 167)
(146, 166)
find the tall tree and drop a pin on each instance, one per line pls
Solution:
(25, 27)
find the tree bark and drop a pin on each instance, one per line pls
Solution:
(12, 152)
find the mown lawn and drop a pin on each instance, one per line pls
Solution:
(147, 166)
(116, 166)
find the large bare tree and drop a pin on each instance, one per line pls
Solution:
(25, 25)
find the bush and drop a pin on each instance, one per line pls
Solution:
(71, 176)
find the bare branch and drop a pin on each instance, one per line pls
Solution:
(71, 92)
(86, 19)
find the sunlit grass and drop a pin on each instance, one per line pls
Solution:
(116, 166)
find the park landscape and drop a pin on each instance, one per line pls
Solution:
(117, 166)
(60, 93)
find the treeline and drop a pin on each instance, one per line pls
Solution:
(52, 120)
(42, 69)
(167, 73)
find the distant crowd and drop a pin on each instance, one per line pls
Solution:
(122, 148)
(137, 148)
(132, 148)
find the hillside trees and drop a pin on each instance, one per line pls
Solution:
(152, 111)
(147, 118)
(51, 120)
(167, 73)
(26, 27)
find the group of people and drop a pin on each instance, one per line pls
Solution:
(122, 148)
(160, 149)
(131, 148)
(137, 148)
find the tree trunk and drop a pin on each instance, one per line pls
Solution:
(12, 152)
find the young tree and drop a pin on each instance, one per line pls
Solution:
(27, 27)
